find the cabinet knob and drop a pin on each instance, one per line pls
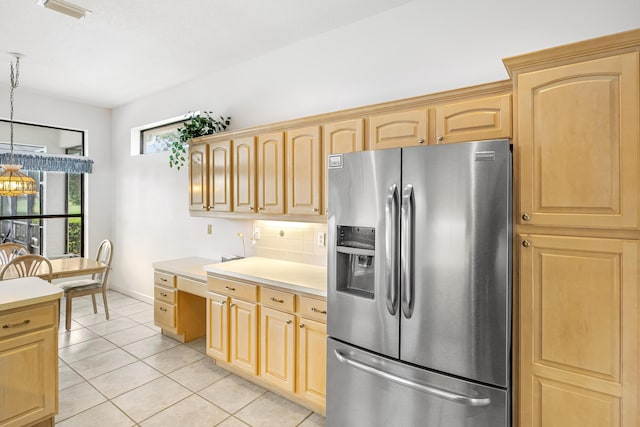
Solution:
(421, 141)
(301, 325)
(212, 207)
(261, 208)
(440, 139)
(250, 208)
(526, 243)
(315, 209)
(204, 207)
(526, 217)
(232, 305)
(289, 322)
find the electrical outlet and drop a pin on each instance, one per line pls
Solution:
(256, 233)
(209, 228)
(321, 239)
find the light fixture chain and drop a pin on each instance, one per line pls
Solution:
(15, 75)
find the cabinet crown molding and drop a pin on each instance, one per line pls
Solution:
(627, 41)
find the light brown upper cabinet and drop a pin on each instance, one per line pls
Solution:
(244, 175)
(198, 178)
(474, 120)
(220, 167)
(270, 148)
(578, 144)
(346, 136)
(401, 129)
(304, 171)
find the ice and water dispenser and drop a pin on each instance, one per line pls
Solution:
(355, 260)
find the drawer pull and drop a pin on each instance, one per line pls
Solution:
(163, 309)
(230, 288)
(281, 301)
(162, 279)
(317, 310)
(13, 325)
(163, 294)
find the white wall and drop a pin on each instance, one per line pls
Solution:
(41, 109)
(418, 48)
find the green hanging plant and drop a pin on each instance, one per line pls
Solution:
(197, 125)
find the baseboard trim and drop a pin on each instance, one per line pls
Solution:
(137, 295)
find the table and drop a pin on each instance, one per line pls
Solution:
(68, 267)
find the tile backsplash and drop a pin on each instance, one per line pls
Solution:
(291, 241)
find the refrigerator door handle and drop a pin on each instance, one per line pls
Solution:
(391, 248)
(407, 251)
(444, 394)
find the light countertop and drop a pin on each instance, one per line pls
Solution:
(306, 278)
(16, 293)
(190, 267)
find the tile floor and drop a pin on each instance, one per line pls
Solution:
(124, 372)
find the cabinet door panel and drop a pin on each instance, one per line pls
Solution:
(474, 120)
(244, 174)
(220, 194)
(393, 130)
(244, 336)
(303, 171)
(271, 173)
(218, 326)
(312, 372)
(578, 140)
(28, 368)
(339, 137)
(579, 328)
(198, 178)
(278, 347)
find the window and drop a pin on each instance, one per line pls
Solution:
(159, 138)
(50, 222)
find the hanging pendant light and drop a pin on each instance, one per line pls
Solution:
(12, 181)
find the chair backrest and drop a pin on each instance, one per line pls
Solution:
(8, 251)
(27, 265)
(104, 255)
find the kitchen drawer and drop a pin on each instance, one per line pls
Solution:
(160, 293)
(192, 286)
(277, 299)
(164, 279)
(312, 308)
(164, 315)
(245, 291)
(21, 321)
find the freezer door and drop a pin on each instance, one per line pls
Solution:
(364, 389)
(456, 278)
(362, 267)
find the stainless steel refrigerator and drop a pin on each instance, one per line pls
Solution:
(419, 286)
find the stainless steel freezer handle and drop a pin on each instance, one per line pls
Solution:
(407, 251)
(444, 394)
(391, 248)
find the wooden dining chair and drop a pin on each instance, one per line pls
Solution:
(92, 286)
(25, 266)
(8, 251)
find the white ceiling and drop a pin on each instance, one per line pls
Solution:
(127, 49)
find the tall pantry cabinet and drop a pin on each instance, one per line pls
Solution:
(577, 173)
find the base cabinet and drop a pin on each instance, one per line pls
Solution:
(29, 365)
(273, 337)
(312, 358)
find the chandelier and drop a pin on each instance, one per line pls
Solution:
(12, 181)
